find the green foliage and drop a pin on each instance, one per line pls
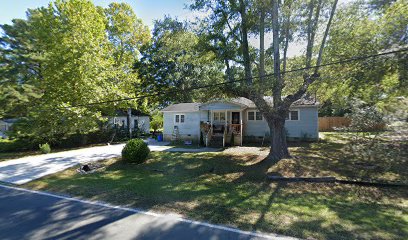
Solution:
(157, 121)
(126, 35)
(63, 57)
(364, 117)
(359, 31)
(19, 69)
(15, 145)
(174, 60)
(135, 151)
(44, 148)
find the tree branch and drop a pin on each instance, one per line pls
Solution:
(277, 88)
(326, 33)
(245, 45)
(309, 79)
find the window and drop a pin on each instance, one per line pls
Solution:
(216, 116)
(255, 116)
(251, 116)
(219, 116)
(293, 115)
(259, 116)
(222, 116)
(179, 118)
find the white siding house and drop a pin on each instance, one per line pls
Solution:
(235, 117)
(137, 120)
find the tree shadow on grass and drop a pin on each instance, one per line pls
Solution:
(232, 189)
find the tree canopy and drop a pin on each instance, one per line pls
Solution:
(64, 57)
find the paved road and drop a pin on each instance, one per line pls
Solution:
(23, 170)
(34, 215)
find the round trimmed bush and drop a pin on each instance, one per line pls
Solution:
(135, 151)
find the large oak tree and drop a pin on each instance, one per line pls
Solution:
(287, 21)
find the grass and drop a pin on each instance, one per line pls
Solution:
(9, 149)
(231, 188)
(13, 155)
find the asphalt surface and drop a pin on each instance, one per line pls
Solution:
(35, 215)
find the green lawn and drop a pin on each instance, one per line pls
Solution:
(12, 155)
(8, 150)
(230, 188)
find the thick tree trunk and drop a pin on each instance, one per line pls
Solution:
(279, 146)
(277, 86)
(245, 44)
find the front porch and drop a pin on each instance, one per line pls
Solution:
(223, 128)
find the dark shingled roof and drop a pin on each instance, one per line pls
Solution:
(305, 101)
(193, 107)
(182, 107)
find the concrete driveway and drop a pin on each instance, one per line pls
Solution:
(29, 214)
(23, 170)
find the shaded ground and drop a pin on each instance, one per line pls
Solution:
(29, 215)
(28, 168)
(231, 188)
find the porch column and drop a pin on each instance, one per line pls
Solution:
(225, 129)
(226, 119)
(211, 121)
(241, 117)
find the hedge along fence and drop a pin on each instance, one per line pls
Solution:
(327, 124)
(330, 123)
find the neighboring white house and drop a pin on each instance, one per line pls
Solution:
(138, 120)
(236, 120)
(5, 125)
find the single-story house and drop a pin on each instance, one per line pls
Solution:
(138, 120)
(235, 121)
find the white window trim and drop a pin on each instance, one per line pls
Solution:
(179, 118)
(219, 116)
(254, 111)
(290, 115)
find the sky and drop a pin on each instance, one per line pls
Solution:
(147, 10)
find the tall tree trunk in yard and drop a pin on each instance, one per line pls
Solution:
(275, 115)
(279, 146)
(245, 44)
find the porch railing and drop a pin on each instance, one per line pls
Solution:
(236, 128)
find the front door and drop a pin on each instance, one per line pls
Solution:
(235, 118)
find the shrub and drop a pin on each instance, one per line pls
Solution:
(365, 117)
(15, 145)
(45, 148)
(135, 151)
